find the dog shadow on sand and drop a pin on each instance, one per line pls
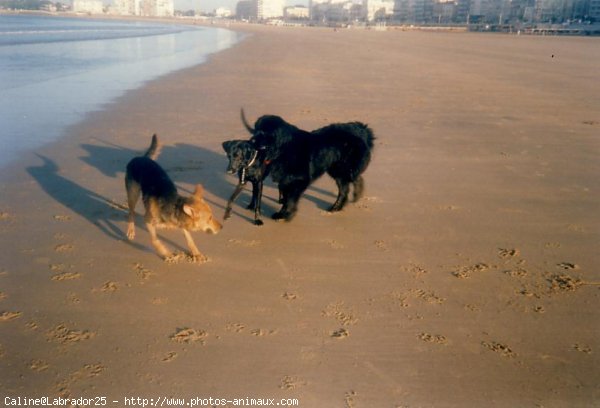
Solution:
(98, 210)
(185, 163)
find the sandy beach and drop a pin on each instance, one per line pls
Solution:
(468, 275)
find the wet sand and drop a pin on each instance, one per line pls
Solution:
(467, 276)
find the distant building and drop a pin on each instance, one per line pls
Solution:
(88, 6)
(223, 12)
(377, 10)
(414, 11)
(594, 11)
(296, 13)
(549, 11)
(444, 12)
(157, 8)
(269, 9)
(246, 10)
(126, 7)
(337, 11)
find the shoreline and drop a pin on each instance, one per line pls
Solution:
(464, 277)
(33, 124)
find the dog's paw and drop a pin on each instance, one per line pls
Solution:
(172, 258)
(258, 222)
(283, 216)
(199, 258)
(278, 216)
(130, 233)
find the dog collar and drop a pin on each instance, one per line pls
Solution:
(253, 159)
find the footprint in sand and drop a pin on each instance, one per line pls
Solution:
(61, 334)
(364, 203)
(289, 296)
(582, 348)
(564, 283)
(433, 338)
(499, 348)
(142, 272)
(2, 295)
(32, 326)
(179, 257)
(333, 244)
(64, 248)
(340, 313)
(466, 272)
(62, 218)
(350, 399)
(63, 388)
(291, 383)
(187, 335)
(567, 266)
(235, 327)
(169, 357)
(508, 253)
(263, 332)
(516, 272)
(66, 276)
(109, 286)
(245, 243)
(340, 333)
(7, 316)
(381, 245)
(38, 365)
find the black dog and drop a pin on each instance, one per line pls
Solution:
(245, 161)
(296, 158)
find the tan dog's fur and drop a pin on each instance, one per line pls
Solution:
(165, 208)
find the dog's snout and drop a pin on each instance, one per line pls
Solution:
(214, 227)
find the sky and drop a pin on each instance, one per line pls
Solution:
(210, 5)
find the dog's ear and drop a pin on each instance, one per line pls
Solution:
(189, 210)
(199, 191)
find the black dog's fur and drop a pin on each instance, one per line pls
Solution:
(296, 158)
(246, 161)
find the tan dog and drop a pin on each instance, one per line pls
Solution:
(165, 208)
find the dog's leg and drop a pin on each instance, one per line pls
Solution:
(133, 194)
(359, 188)
(257, 187)
(342, 198)
(160, 248)
(252, 205)
(236, 193)
(196, 255)
(291, 195)
(151, 217)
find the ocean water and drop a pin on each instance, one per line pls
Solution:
(53, 70)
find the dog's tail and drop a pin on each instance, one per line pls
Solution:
(245, 122)
(154, 149)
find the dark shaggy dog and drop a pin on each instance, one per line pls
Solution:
(165, 208)
(247, 162)
(296, 158)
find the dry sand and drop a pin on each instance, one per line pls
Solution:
(466, 277)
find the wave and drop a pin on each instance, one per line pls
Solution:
(74, 30)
